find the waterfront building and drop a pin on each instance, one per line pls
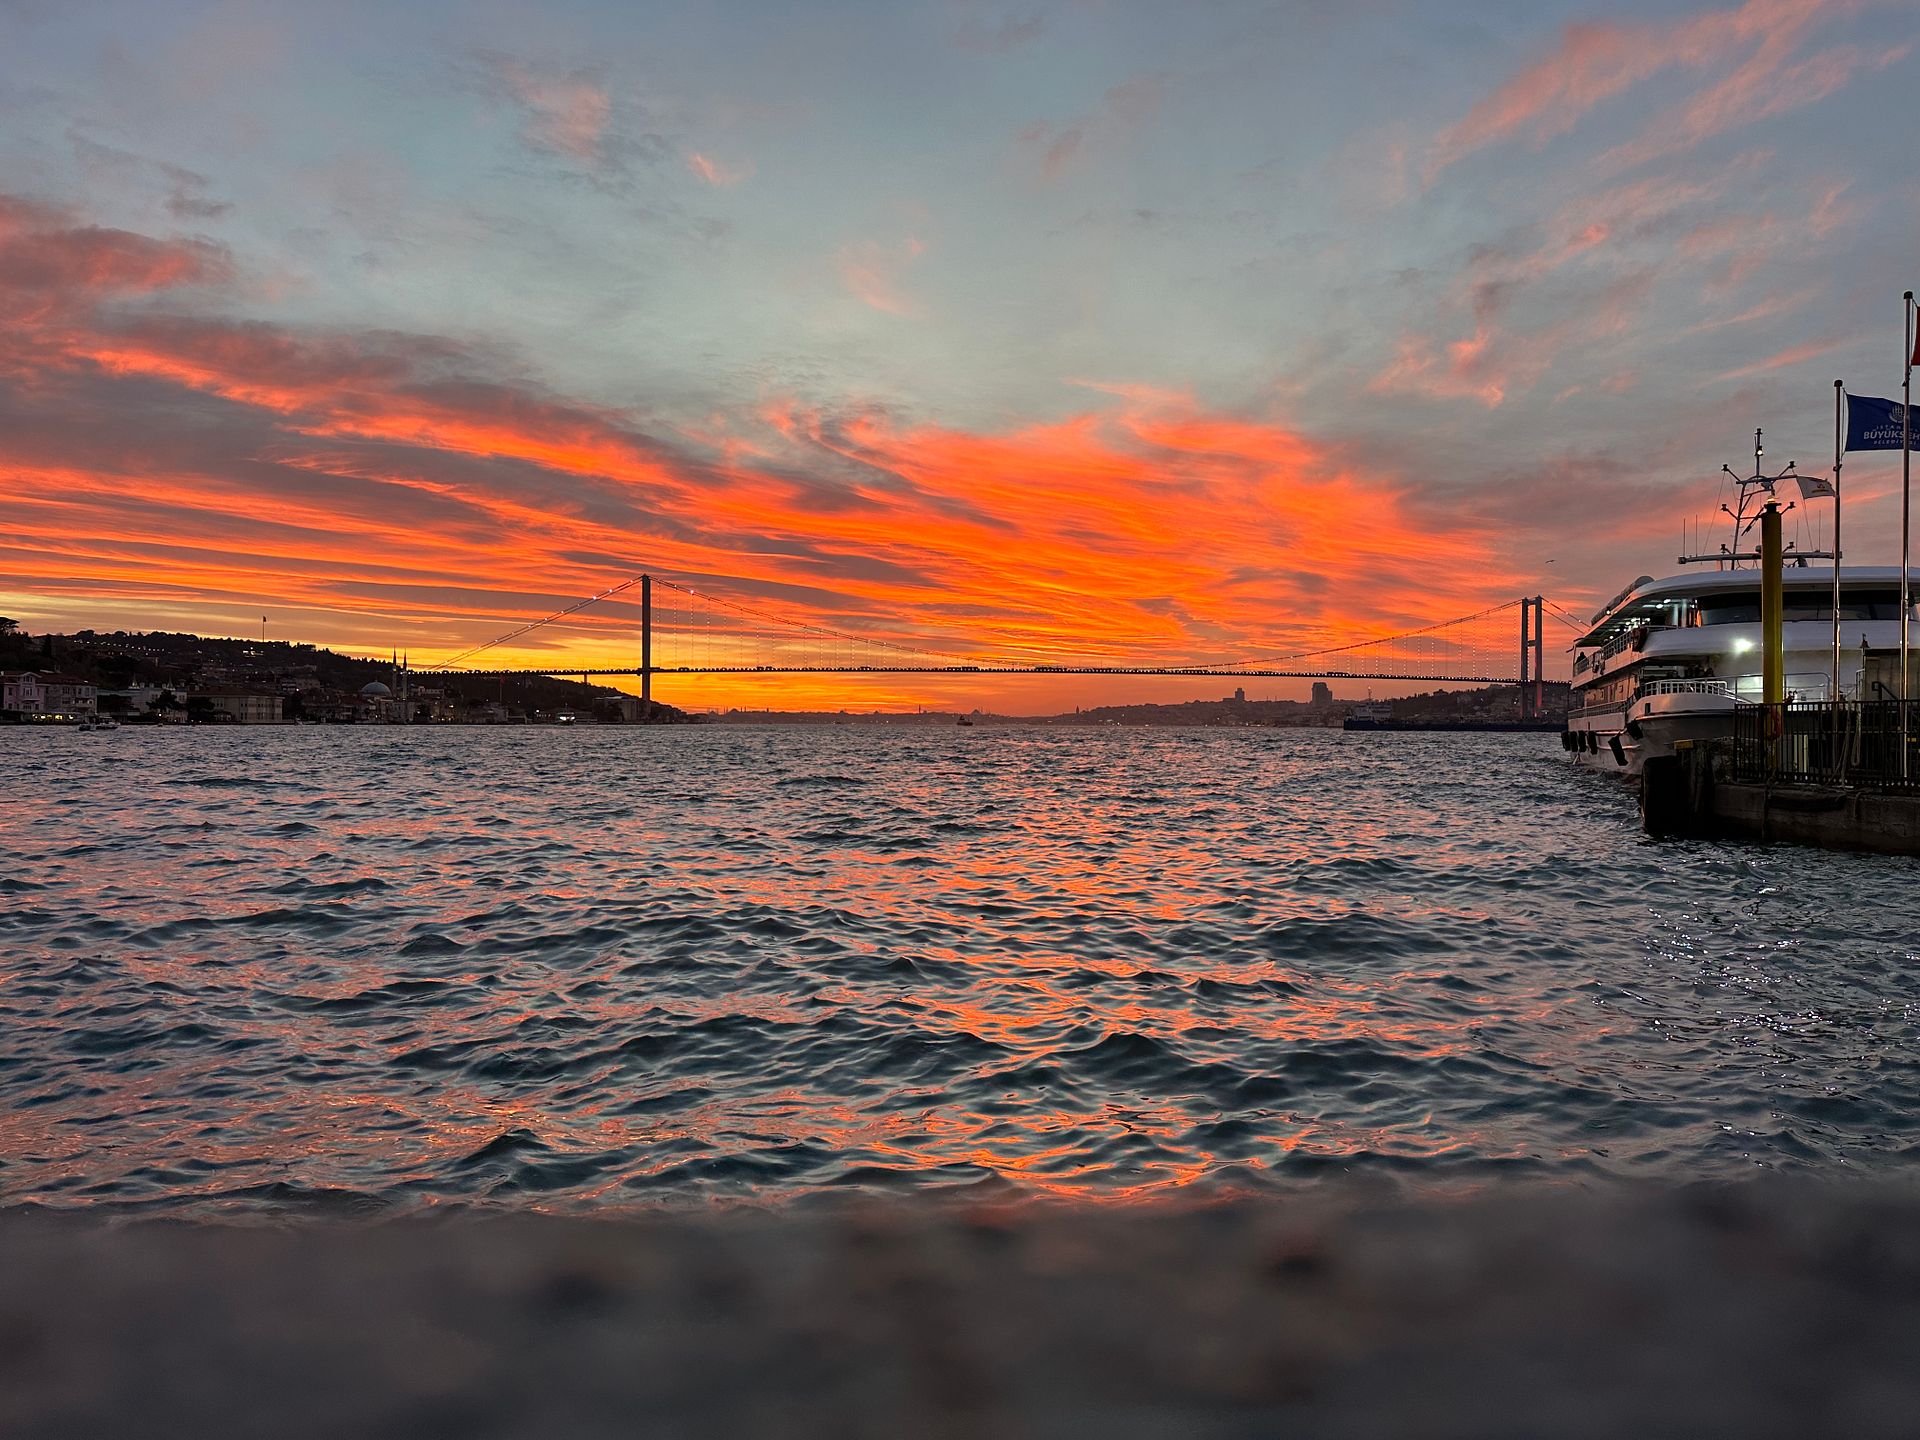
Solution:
(21, 691)
(130, 699)
(376, 702)
(47, 693)
(246, 707)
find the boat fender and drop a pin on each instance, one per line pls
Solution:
(1633, 728)
(1566, 740)
(1619, 753)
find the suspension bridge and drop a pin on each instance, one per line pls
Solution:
(690, 632)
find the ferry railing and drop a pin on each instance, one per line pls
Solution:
(1688, 687)
(1817, 743)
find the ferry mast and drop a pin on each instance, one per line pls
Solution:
(1745, 515)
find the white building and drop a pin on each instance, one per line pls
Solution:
(21, 691)
(138, 698)
(46, 693)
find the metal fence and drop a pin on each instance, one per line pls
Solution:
(1812, 742)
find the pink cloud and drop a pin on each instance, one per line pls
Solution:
(1461, 369)
(1744, 243)
(1596, 62)
(1630, 233)
(1792, 355)
(871, 270)
(715, 173)
(1496, 362)
(566, 113)
(1057, 148)
(1759, 90)
(1778, 302)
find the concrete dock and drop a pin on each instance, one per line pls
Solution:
(1692, 794)
(1778, 1310)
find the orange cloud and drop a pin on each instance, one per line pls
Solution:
(389, 489)
(46, 257)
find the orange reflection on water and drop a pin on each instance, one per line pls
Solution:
(548, 968)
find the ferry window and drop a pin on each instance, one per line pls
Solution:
(1870, 606)
(1741, 609)
(1744, 608)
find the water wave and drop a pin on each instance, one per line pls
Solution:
(329, 971)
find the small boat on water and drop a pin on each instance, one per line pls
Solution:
(1675, 658)
(1370, 714)
(98, 722)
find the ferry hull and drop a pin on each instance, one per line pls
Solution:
(1622, 740)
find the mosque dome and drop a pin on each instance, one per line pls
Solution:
(374, 690)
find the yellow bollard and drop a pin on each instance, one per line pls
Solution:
(1773, 668)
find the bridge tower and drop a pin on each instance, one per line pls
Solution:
(646, 640)
(1533, 655)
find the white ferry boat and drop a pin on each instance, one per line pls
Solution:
(1674, 659)
(1671, 659)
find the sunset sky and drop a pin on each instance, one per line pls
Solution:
(1089, 329)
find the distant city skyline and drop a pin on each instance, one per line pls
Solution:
(1184, 333)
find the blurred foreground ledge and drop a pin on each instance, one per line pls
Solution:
(1766, 1310)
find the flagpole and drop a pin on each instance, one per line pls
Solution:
(1906, 506)
(1833, 695)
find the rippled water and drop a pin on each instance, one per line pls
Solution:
(391, 967)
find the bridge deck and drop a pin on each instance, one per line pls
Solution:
(567, 672)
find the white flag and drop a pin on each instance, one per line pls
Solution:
(1815, 487)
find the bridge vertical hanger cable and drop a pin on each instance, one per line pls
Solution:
(697, 631)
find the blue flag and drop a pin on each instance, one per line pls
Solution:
(1875, 424)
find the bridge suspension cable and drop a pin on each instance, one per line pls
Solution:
(532, 625)
(696, 631)
(685, 618)
(1571, 622)
(1383, 641)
